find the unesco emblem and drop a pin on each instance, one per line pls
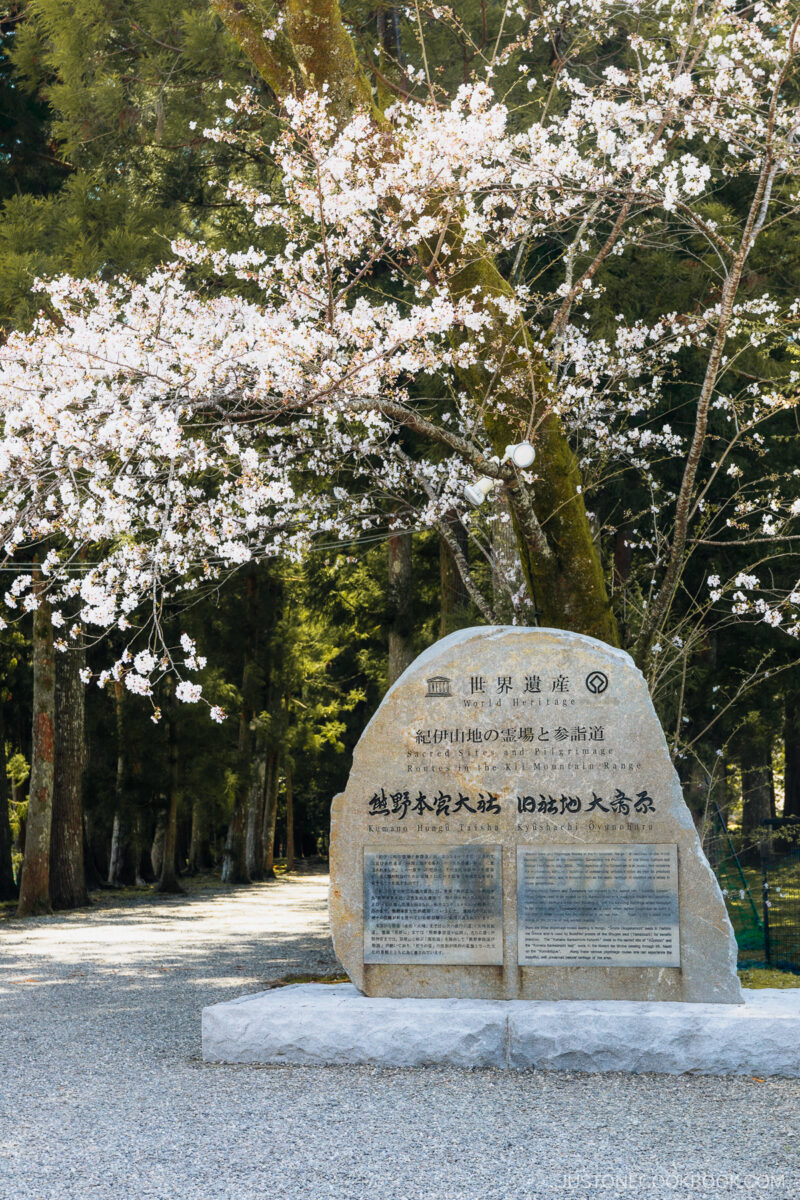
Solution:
(597, 682)
(438, 685)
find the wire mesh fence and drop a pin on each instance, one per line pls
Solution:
(760, 880)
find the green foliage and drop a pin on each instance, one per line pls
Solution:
(32, 164)
(17, 769)
(118, 94)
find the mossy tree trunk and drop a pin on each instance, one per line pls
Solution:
(94, 851)
(400, 604)
(558, 554)
(289, 816)
(157, 848)
(168, 878)
(507, 583)
(270, 816)
(120, 834)
(140, 844)
(255, 815)
(234, 860)
(199, 859)
(455, 607)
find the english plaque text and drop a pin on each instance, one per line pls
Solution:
(598, 905)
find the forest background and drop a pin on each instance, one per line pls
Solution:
(103, 165)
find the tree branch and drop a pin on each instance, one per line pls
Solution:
(663, 599)
(476, 595)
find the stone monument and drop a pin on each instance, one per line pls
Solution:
(513, 828)
(516, 882)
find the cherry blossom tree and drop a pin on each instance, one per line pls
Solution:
(428, 284)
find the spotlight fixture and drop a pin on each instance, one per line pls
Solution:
(476, 493)
(521, 455)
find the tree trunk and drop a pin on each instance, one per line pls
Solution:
(119, 851)
(8, 887)
(91, 858)
(255, 817)
(168, 880)
(34, 890)
(234, 859)
(508, 586)
(67, 876)
(718, 810)
(270, 815)
(791, 743)
(696, 794)
(560, 561)
(758, 794)
(400, 605)
(157, 849)
(119, 834)
(455, 609)
(140, 845)
(198, 841)
(289, 820)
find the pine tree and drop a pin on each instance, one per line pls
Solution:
(106, 103)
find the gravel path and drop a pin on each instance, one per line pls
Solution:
(103, 1093)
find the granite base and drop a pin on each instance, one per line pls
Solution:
(315, 1024)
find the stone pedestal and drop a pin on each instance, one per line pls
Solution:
(325, 1024)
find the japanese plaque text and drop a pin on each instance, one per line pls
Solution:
(433, 905)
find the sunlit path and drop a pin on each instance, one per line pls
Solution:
(215, 938)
